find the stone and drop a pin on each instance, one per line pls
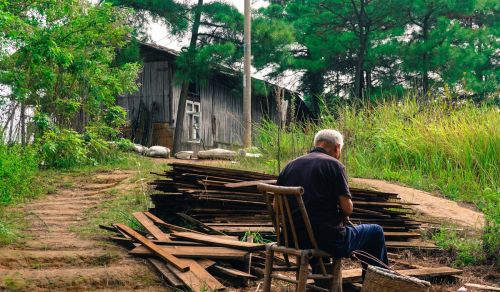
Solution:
(158, 151)
(184, 155)
(217, 154)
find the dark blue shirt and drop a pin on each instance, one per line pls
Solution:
(324, 180)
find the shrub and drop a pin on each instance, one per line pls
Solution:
(62, 149)
(18, 168)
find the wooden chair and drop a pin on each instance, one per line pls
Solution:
(281, 214)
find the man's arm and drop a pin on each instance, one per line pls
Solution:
(345, 205)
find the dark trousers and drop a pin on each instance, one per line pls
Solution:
(368, 238)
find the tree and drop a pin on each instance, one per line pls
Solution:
(432, 40)
(336, 37)
(59, 59)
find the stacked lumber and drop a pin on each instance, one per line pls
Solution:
(189, 260)
(226, 201)
(186, 258)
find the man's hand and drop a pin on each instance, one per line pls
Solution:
(347, 221)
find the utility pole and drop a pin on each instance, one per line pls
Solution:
(247, 82)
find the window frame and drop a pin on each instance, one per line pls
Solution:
(192, 114)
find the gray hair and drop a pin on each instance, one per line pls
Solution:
(329, 136)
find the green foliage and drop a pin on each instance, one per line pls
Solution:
(361, 48)
(437, 145)
(18, 168)
(60, 59)
(465, 250)
(62, 149)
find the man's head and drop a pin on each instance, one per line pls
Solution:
(330, 140)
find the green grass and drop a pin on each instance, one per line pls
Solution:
(46, 182)
(436, 146)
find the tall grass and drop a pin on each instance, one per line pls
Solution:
(438, 145)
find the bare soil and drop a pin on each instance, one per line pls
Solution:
(430, 205)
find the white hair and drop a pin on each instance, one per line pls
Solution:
(329, 136)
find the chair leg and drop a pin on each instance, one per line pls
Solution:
(336, 285)
(269, 268)
(303, 272)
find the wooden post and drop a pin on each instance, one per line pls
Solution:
(247, 84)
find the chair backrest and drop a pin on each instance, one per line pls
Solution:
(281, 213)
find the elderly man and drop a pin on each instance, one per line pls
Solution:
(328, 201)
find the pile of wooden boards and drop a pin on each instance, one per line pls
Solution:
(194, 261)
(183, 256)
(226, 201)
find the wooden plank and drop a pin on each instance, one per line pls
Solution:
(198, 223)
(206, 263)
(158, 242)
(430, 272)
(197, 252)
(168, 225)
(197, 278)
(249, 183)
(481, 287)
(410, 244)
(154, 248)
(401, 234)
(354, 275)
(243, 229)
(170, 277)
(150, 226)
(233, 272)
(214, 241)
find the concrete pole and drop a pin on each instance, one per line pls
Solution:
(247, 82)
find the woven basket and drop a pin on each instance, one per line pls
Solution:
(382, 280)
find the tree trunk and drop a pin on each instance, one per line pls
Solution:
(181, 108)
(425, 56)
(22, 118)
(358, 77)
(314, 85)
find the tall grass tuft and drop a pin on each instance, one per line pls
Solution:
(438, 145)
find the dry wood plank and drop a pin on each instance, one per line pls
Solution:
(197, 252)
(249, 183)
(233, 272)
(198, 223)
(401, 234)
(154, 248)
(150, 226)
(243, 229)
(197, 278)
(217, 241)
(410, 244)
(168, 225)
(206, 263)
(354, 275)
(158, 242)
(170, 277)
(481, 287)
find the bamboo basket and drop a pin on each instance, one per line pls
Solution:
(382, 280)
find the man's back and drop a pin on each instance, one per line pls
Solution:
(323, 179)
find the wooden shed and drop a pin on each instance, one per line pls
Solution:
(214, 110)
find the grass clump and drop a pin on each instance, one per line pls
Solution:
(18, 170)
(435, 145)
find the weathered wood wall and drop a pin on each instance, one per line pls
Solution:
(157, 99)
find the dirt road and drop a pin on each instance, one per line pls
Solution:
(53, 258)
(429, 205)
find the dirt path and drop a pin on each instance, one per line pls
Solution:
(429, 205)
(53, 258)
